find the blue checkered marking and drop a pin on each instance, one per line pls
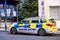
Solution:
(27, 26)
(16, 26)
(38, 25)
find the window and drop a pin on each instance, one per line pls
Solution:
(42, 21)
(55, 12)
(26, 21)
(35, 21)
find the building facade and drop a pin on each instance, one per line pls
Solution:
(51, 9)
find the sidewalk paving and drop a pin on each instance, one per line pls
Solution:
(3, 30)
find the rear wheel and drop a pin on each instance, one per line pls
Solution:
(13, 31)
(41, 32)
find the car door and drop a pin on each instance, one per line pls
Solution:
(24, 25)
(33, 26)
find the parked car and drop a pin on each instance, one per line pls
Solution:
(35, 25)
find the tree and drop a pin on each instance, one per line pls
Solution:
(29, 9)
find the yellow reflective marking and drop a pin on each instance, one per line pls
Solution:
(33, 25)
(22, 25)
(30, 20)
(11, 26)
(48, 21)
(44, 25)
(53, 29)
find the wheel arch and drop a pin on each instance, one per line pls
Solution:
(13, 27)
(11, 30)
(41, 28)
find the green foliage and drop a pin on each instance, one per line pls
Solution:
(30, 9)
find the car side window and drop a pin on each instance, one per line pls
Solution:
(21, 22)
(26, 21)
(42, 21)
(35, 21)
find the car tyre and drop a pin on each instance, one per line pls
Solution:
(41, 32)
(13, 31)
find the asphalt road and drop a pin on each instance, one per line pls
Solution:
(7, 36)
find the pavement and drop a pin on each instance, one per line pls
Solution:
(8, 36)
(3, 30)
(2, 26)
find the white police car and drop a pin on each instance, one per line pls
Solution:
(35, 25)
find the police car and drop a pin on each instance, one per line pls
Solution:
(35, 25)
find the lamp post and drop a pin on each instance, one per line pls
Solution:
(5, 14)
(17, 14)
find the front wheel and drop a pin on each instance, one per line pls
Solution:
(13, 31)
(41, 32)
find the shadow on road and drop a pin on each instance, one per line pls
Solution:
(25, 34)
(28, 34)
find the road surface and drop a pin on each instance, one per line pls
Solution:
(8, 36)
